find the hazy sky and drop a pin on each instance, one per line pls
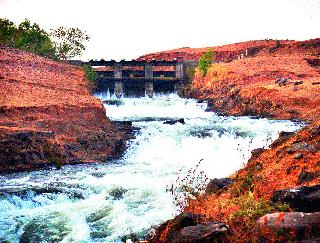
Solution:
(129, 28)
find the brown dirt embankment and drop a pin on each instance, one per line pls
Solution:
(279, 80)
(49, 117)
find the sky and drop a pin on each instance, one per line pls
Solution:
(126, 29)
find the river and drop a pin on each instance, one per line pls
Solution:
(104, 202)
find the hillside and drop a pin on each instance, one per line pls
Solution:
(279, 80)
(48, 115)
(243, 80)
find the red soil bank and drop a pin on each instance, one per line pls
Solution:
(48, 115)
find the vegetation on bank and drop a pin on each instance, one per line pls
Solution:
(249, 86)
(90, 73)
(61, 43)
(205, 61)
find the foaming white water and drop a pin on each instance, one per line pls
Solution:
(104, 202)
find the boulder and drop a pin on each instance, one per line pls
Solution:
(303, 199)
(173, 122)
(256, 152)
(206, 232)
(218, 185)
(282, 81)
(168, 231)
(186, 228)
(290, 226)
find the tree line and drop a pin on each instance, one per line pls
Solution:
(61, 43)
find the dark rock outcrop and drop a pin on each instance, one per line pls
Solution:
(283, 136)
(303, 199)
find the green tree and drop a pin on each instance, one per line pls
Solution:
(205, 61)
(31, 37)
(69, 42)
(26, 36)
(7, 32)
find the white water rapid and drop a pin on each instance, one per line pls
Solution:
(104, 202)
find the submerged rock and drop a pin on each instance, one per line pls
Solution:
(51, 227)
(173, 122)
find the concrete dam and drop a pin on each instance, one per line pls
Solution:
(140, 77)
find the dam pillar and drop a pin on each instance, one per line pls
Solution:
(148, 70)
(117, 70)
(118, 88)
(149, 88)
(179, 70)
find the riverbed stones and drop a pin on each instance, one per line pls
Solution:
(288, 226)
(302, 199)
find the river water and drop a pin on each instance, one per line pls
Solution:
(104, 202)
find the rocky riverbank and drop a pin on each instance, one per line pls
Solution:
(48, 116)
(276, 196)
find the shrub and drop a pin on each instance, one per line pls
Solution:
(276, 47)
(205, 61)
(249, 209)
(90, 74)
(188, 187)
